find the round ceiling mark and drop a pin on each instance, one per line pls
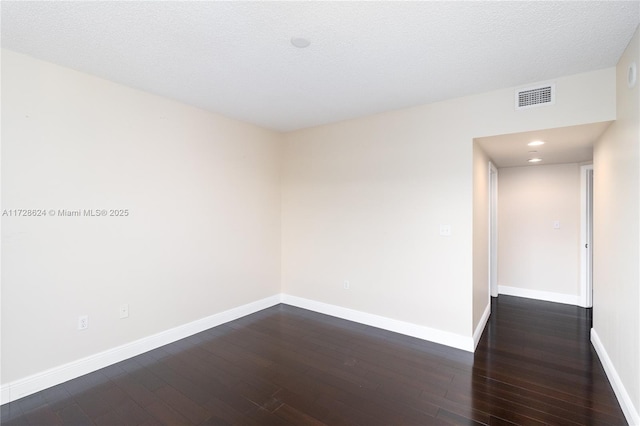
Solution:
(632, 75)
(300, 42)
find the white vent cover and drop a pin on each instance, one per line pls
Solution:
(536, 96)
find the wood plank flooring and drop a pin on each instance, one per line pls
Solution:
(288, 366)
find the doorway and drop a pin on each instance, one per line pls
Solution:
(493, 231)
(586, 236)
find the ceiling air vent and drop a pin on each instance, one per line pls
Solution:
(536, 96)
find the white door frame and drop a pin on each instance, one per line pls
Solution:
(493, 230)
(586, 236)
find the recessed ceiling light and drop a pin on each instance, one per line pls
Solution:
(535, 160)
(536, 143)
(300, 42)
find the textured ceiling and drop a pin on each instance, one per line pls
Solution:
(235, 58)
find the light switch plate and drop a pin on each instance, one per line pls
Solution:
(445, 230)
(124, 310)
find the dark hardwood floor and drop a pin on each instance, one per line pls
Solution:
(287, 366)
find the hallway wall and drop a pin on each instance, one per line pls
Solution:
(616, 269)
(534, 257)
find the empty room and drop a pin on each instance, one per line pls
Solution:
(308, 213)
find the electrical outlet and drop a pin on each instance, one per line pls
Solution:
(445, 230)
(346, 284)
(124, 310)
(83, 322)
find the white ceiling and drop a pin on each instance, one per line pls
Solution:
(235, 58)
(572, 144)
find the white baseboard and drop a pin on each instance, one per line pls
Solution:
(40, 381)
(477, 334)
(431, 334)
(57, 375)
(548, 296)
(626, 403)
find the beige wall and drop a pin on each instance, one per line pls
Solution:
(532, 254)
(363, 201)
(203, 234)
(616, 280)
